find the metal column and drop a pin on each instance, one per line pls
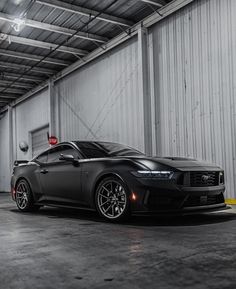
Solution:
(144, 82)
(54, 110)
(10, 124)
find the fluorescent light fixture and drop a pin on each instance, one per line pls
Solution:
(17, 2)
(18, 24)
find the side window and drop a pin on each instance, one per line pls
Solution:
(91, 150)
(42, 158)
(55, 153)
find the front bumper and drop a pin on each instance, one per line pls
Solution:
(172, 198)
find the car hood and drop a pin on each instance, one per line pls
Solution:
(180, 164)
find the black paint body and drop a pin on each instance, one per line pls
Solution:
(73, 184)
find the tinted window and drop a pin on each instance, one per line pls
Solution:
(91, 150)
(55, 153)
(105, 149)
(70, 151)
(115, 149)
(42, 158)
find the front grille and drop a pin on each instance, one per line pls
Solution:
(164, 202)
(155, 201)
(193, 201)
(204, 179)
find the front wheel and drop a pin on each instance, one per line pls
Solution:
(24, 197)
(112, 199)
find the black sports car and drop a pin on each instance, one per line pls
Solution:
(116, 180)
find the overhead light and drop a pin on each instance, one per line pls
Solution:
(18, 24)
(17, 2)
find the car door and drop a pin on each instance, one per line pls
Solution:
(61, 180)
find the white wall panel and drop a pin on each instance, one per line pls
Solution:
(102, 101)
(29, 116)
(4, 154)
(195, 69)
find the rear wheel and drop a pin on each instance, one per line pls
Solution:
(24, 197)
(112, 199)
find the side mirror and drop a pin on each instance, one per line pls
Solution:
(67, 158)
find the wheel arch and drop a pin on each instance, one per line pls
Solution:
(25, 179)
(20, 179)
(101, 178)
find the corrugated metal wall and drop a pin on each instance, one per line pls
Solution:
(27, 117)
(195, 72)
(102, 100)
(4, 154)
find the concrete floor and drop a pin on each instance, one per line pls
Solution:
(57, 248)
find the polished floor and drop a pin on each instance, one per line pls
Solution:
(57, 248)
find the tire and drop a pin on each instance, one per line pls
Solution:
(112, 199)
(24, 197)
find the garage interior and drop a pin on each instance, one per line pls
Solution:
(157, 75)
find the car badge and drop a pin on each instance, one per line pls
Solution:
(205, 178)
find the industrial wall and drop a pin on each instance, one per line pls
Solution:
(102, 100)
(22, 120)
(192, 79)
(195, 72)
(29, 116)
(4, 154)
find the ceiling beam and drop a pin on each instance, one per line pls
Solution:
(25, 77)
(19, 91)
(26, 67)
(158, 3)
(42, 44)
(33, 57)
(55, 28)
(16, 84)
(85, 12)
(165, 11)
(7, 96)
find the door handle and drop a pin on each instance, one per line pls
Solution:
(44, 171)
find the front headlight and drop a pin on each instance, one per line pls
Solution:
(154, 174)
(221, 178)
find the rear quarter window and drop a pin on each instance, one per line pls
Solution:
(43, 158)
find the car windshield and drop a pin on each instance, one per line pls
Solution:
(105, 149)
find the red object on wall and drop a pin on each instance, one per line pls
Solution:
(52, 140)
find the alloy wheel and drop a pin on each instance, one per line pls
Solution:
(112, 199)
(22, 195)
